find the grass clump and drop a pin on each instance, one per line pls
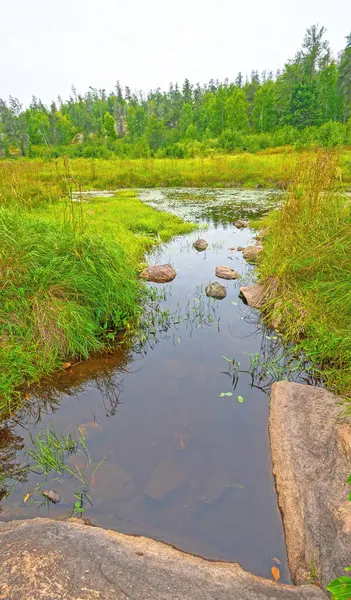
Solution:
(61, 294)
(306, 265)
(69, 282)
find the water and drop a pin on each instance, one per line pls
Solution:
(184, 464)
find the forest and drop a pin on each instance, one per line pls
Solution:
(306, 104)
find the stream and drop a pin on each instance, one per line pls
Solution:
(182, 462)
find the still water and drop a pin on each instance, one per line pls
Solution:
(183, 463)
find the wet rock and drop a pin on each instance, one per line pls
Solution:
(200, 244)
(159, 273)
(166, 478)
(253, 295)
(240, 223)
(226, 273)
(215, 486)
(311, 465)
(54, 497)
(57, 560)
(252, 253)
(216, 290)
(111, 482)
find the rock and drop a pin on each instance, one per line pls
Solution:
(215, 486)
(240, 223)
(252, 253)
(159, 273)
(253, 295)
(166, 478)
(226, 273)
(275, 315)
(111, 482)
(216, 290)
(200, 244)
(54, 497)
(311, 467)
(57, 560)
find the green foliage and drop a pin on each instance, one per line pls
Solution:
(313, 89)
(340, 588)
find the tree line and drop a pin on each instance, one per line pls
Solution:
(308, 102)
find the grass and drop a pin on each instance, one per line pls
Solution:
(69, 281)
(306, 266)
(32, 182)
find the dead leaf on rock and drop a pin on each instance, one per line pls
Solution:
(275, 573)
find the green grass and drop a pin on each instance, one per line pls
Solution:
(306, 266)
(69, 281)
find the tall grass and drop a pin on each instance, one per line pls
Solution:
(69, 281)
(307, 266)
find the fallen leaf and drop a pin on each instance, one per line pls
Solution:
(275, 573)
(27, 496)
(240, 399)
(67, 365)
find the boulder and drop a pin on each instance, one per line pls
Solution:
(166, 478)
(43, 559)
(311, 454)
(200, 244)
(226, 273)
(240, 223)
(252, 253)
(216, 290)
(159, 273)
(253, 295)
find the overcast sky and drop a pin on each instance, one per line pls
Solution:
(46, 47)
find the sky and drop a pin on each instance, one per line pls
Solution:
(46, 47)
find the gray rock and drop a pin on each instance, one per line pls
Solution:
(253, 295)
(166, 478)
(200, 244)
(216, 290)
(159, 273)
(311, 455)
(43, 559)
(252, 253)
(240, 223)
(226, 273)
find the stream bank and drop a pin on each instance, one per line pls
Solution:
(181, 417)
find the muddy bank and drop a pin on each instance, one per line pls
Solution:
(52, 560)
